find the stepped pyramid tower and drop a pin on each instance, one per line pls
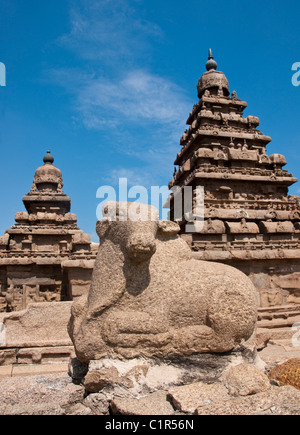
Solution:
(44, 256)
(250, 222)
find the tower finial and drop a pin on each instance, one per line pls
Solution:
(211, 64)
(48, 159)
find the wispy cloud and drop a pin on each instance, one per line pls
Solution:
(136, 96)
(132, 99)
(132, 175)
(117, 91)
(109, 30)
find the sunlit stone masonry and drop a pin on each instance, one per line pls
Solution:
(44, 256)
(251, 222)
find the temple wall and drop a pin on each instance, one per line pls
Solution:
(278, 289)
(79, 281)
(30, 282)
(277, 280)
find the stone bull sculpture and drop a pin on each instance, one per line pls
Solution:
(149, 297)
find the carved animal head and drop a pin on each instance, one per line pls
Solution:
(135, 227)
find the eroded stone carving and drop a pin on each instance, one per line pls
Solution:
(150, 297)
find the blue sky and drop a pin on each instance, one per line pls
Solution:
(107, 86)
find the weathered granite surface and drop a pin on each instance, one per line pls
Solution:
(150, 298)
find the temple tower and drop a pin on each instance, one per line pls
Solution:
(250, 221)
(44, 256)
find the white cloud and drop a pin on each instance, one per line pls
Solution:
(116, 86)
(130, 102)
(109, 30)
(138, 96)
(140, 113)
(134, 177)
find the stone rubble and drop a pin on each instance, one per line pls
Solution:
(56, 394)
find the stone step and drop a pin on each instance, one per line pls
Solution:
(278, 317)
(279, 322)
(33, 369)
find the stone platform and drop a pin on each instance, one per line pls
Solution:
(37, 335)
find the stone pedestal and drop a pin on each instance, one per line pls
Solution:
(140, 376)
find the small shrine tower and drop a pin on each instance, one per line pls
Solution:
(44, 256)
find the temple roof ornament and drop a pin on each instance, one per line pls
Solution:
(211, 63)
(48, 175)
(213, 81)
(46, 191)
(48, 158)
